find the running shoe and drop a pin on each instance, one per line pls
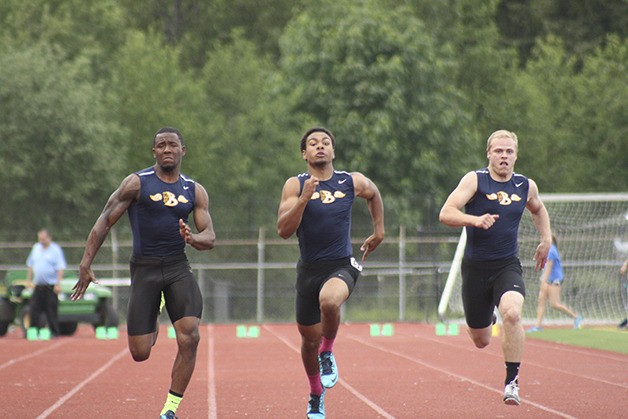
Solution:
(623, 324)
(316, 406)
(511, 393)
(168, 415)
(535, 329)
(578, 322)
(162, 303)
(329, 370)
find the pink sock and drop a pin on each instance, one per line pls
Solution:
(326, 345)
(315, 384)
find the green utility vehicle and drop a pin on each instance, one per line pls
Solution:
(95, 307)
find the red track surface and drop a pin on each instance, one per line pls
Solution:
(412, 374)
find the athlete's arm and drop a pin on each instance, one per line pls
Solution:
(118, 203)
(292, 205)
(365, 188)
(541, 219)
(206, 237)
(451, 213)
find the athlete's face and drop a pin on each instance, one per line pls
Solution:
(319, 149)
(168, 151)
(502, 156)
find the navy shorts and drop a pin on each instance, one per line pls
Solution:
(311, 276)
(152, 275)
(483, 284)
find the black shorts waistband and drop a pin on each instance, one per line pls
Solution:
(324, 263)
(158, 260)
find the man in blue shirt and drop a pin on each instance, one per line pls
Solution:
(46, 264)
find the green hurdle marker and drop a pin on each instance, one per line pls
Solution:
(31, 333)
(253, 332)
(44, 334)
(375, 329)
(388, 329)
(241, 331)
(441, 329)
(172, 334)
(112, 332)
(453, 329)
(101, 332)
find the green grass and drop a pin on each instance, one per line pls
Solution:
(604, 338)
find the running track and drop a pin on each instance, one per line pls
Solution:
(412, 374)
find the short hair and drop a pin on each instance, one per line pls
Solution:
(169, 130)
(317, 129)
(502, 133)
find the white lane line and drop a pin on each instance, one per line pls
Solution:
(211, 376)
(31, 355)
(457, 376)
(82, 384)
(342, 382)
(471, 348)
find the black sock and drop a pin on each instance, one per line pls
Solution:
(512, 371)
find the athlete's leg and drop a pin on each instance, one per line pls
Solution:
(540, 309)
(510, 306)
(554, 297)
(333, 294)
(187, 341)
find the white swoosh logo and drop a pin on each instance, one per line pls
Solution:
(186, 187)
(518, 184)
(342, 181)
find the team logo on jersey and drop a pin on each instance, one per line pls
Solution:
(327, 197)
(169, 199)
(503, 198)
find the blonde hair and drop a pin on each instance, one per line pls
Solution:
(502, 133)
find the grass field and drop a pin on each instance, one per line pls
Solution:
(607, 338)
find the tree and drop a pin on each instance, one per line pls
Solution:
(59, 146)
(373, 75)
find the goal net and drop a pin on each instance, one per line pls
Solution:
(592, 235)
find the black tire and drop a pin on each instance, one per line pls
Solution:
(4, 326)
(67, 328)
(7, 311)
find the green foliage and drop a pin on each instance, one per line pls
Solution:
(374, 76)
(59, 147)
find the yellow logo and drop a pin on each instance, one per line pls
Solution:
(327, 197)
(169, 199)
(503, 198)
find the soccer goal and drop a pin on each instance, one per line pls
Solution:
(592, 235)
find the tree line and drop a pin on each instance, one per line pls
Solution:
(411, 90)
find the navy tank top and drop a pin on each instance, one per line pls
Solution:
(325, 229)
(508, 199)
(155, 216)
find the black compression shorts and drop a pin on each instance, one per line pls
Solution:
(152, 275)
(312, 276)
(484, 283)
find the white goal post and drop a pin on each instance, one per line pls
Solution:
(592, 236)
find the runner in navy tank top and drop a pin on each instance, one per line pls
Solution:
(317, 206)
(494, 199)
(159, 200)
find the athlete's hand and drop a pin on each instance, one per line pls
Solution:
(86, 276)
(370, 244)
(309, 187)
(185, 231)
(485, 221)
(540, 255)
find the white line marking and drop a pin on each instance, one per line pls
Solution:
(342, 382)
(82, 384)
(28, 356)
(458, 376)
(211, 376)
